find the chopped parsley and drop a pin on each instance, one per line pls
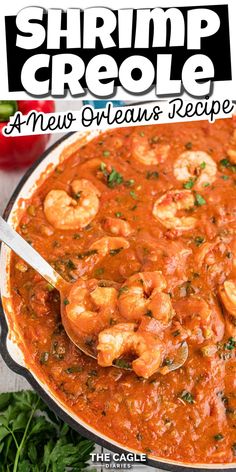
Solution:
(113, 178)
(230, 344)
(44, 358)
(118, 214)
(85, 254)
(66, 301)
(203, 165)
(152, 175)
(133, 194)
(188, 185)
(227, 164)
(218, 437)
(74, 369)
(187, 397)
(106, 153)
(199, 200)
(99, 271)
(122, 363)
(199, 240)
(129, 183)
(123, 289)
(225, 177)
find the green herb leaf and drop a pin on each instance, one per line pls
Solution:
(199, 240)
(218, 437)
(187, 397)
(230, 344)
(133, 194)
(199, 200)
(152, 175)
(122, 363)
(33, 439)
(188, 185)
(114, 179)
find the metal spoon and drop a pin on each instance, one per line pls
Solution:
(26, 252)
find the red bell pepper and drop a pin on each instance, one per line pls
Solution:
(21, 151)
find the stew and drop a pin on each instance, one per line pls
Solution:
(142, 222)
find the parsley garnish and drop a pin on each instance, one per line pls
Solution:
(113, 178)
(188, 185)
(187, 397)
(122, 363)
(123, 289)
(152, 175)
(199, 240)
(34, 439)
(82, 255)
(199, 200)
(133, 194)
(218, 437)
(106, 153)
(227, 164)
(230, 344)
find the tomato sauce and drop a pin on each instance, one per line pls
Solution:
(188, 415)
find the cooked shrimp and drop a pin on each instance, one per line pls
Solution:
(117, 226)
(228, 296)
(109, 243)
(147, 153)
(121, 339)
(195, 165)
(65, 212)
(231, 152)
(200, 318)
(89, 307)
(213, 257)
(143, 294)
(167, 206)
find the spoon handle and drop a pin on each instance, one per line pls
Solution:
(23, 249)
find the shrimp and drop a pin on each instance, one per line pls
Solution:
(65, 212)
(167, 206)
(213, 257)
(122, 338)
(231, 152)
(195, 165)
(147, 153)
(142, 294)
(200, 318)
(117, 226)
(228, 296)
(90, 307)
(107, 244)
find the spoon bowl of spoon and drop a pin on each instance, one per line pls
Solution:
(29, 255)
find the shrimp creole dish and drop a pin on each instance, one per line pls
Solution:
(140, 222)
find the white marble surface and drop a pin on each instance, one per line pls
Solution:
(9, 381)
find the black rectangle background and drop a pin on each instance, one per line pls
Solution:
(217, 47)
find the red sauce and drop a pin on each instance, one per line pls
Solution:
(188, 415)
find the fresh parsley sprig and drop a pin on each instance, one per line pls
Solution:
(33, 439)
